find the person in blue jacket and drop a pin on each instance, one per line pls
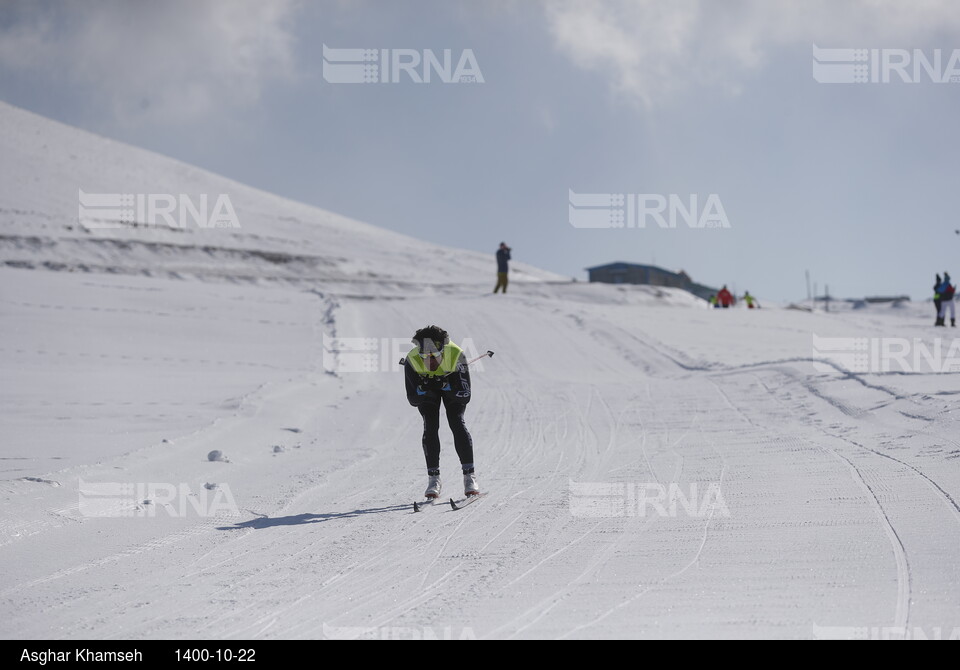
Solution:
(936, 297)
(946, 292)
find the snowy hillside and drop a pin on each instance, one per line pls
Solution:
(825, 500)
(47, 164)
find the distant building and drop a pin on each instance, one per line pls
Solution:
(649, 275)
(884, 298)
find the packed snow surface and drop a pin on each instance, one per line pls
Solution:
(239, 390)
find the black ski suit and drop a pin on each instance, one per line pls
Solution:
(453, 391)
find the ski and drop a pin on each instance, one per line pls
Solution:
(418, 506)
(463, 502)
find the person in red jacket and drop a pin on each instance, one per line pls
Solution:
(724, 297)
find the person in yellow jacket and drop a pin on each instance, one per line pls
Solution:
(435, 373)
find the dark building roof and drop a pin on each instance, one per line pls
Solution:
(648, 275)
(621, 264)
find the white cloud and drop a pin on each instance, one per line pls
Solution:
(176, 60)
(651, 50)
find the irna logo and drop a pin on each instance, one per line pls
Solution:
(638, 210)
(883, 66)
(392, 66)
(116, 210)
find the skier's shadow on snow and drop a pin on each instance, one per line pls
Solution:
(301, 519)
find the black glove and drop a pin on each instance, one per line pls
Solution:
(434, 384)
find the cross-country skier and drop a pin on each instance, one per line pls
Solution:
(436, 373)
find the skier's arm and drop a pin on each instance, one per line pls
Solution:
(417, 392)
(457, 386)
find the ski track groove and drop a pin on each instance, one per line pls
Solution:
(902, 613)
(544, 606)
(902, 606)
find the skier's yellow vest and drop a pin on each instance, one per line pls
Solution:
(448, 361)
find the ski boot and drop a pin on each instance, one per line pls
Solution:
(470, 487)
(434, 487)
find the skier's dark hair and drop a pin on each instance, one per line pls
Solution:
(435, 334)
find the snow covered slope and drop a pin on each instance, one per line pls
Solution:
(831, 504)
(46, 165)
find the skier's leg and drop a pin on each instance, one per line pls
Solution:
(431, 437)
(464, 444)
(462, 440)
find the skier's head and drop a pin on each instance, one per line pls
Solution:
(431, 339)
(938, 279)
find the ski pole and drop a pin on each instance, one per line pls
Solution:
(489, 353)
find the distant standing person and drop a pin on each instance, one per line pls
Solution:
(751, 301)
(503, 258)
(946, 296)
(936, 298)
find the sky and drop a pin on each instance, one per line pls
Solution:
(653, 99)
